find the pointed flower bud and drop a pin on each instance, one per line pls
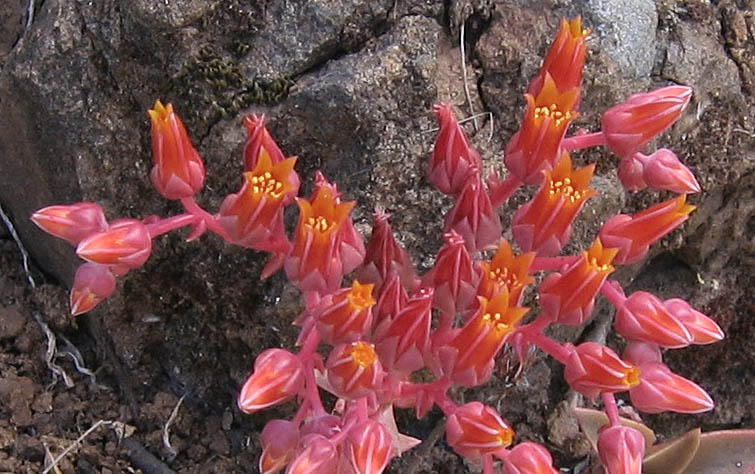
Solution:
(621, 450)
(473, 216)
(630, 173)
(569, 297)
(662, 390)
(354, 370)
(278, 376)
(468, 359)
(537, 144)
(529, 458)
(317, 456)
(627, 127)
(253, 217)
(280, 439)
(702, 329)
(73, 222)
(384, 255)
(259, 142)
(403, 341)
(453, 277)
(91, 285)
(644, 318)
(507, 271)
(633, 235)
(475, 430)
(543, 225)
(641, 353)
(663, 170)
(346, 315)
(391, 300)
(126, 242)
(453, 159)
(178, 172)
(593, 369)
(326, 245)
(370, 447)
(565, 59)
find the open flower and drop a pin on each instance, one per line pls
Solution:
(73, 222)
(543, 225)
(633, 235)
(475, 430)
(507, 271)
(260, 143)
(346, 315)
(354, 370)
(179, 171)
(627, 127)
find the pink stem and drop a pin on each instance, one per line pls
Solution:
(577, 142)
(612, 410)
(504, 190)
(163, 226)
(487, 464)
(613, 291)
(307, 356)
(556, 350)
(552, 263)
(212, 223)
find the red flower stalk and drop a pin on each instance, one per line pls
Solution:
(453, 277)
(593, 369)
(537, 144)
(279, 440)
(346, 315)
(644, 318)
(126, 243)
(253, 217)
(317, 456)
(569, 297)
(453, 160)
(179, 171)
(529, 458)
(621, 450)
(91, 285)
(565, 59)
(505, 271)
(473, 216)
(384, 255)
(661, 170)
(627, 127)
(354, 370)
(468, 359)
(662, 390)
(543, 225)
(633, 235)
(702, 329)
(326, 245)
(73, 223)
(391, 299)
(475, 430)
(403, 341)
(370, 447)
(278, 376)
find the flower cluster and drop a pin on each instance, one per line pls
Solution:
(384, 323)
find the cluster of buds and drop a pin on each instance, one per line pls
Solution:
(377, 329)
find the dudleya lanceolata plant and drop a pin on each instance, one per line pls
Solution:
(390, 322)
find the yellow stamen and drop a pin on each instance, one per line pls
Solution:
(363, 354)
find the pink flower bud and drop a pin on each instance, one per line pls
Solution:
(278, 376)
(642, 353)
(627, 127)
(630, 174)
(354, 370)
(453, 277)
(403, 341)
(475, 430)
(593, 369)
(473, 216)
(663, 170)
(346, 315)
(384, 255)
(621, 450)
(453, 159)
(662, 390)
(392, 298)
(318, 456)
(370, 447)
(126, 242)
(702, 329)
(178, 172)
(91, 285)
(73, 222)
(280, 439)
(529, 458)
(643, 317)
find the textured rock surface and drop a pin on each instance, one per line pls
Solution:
(348, 86)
